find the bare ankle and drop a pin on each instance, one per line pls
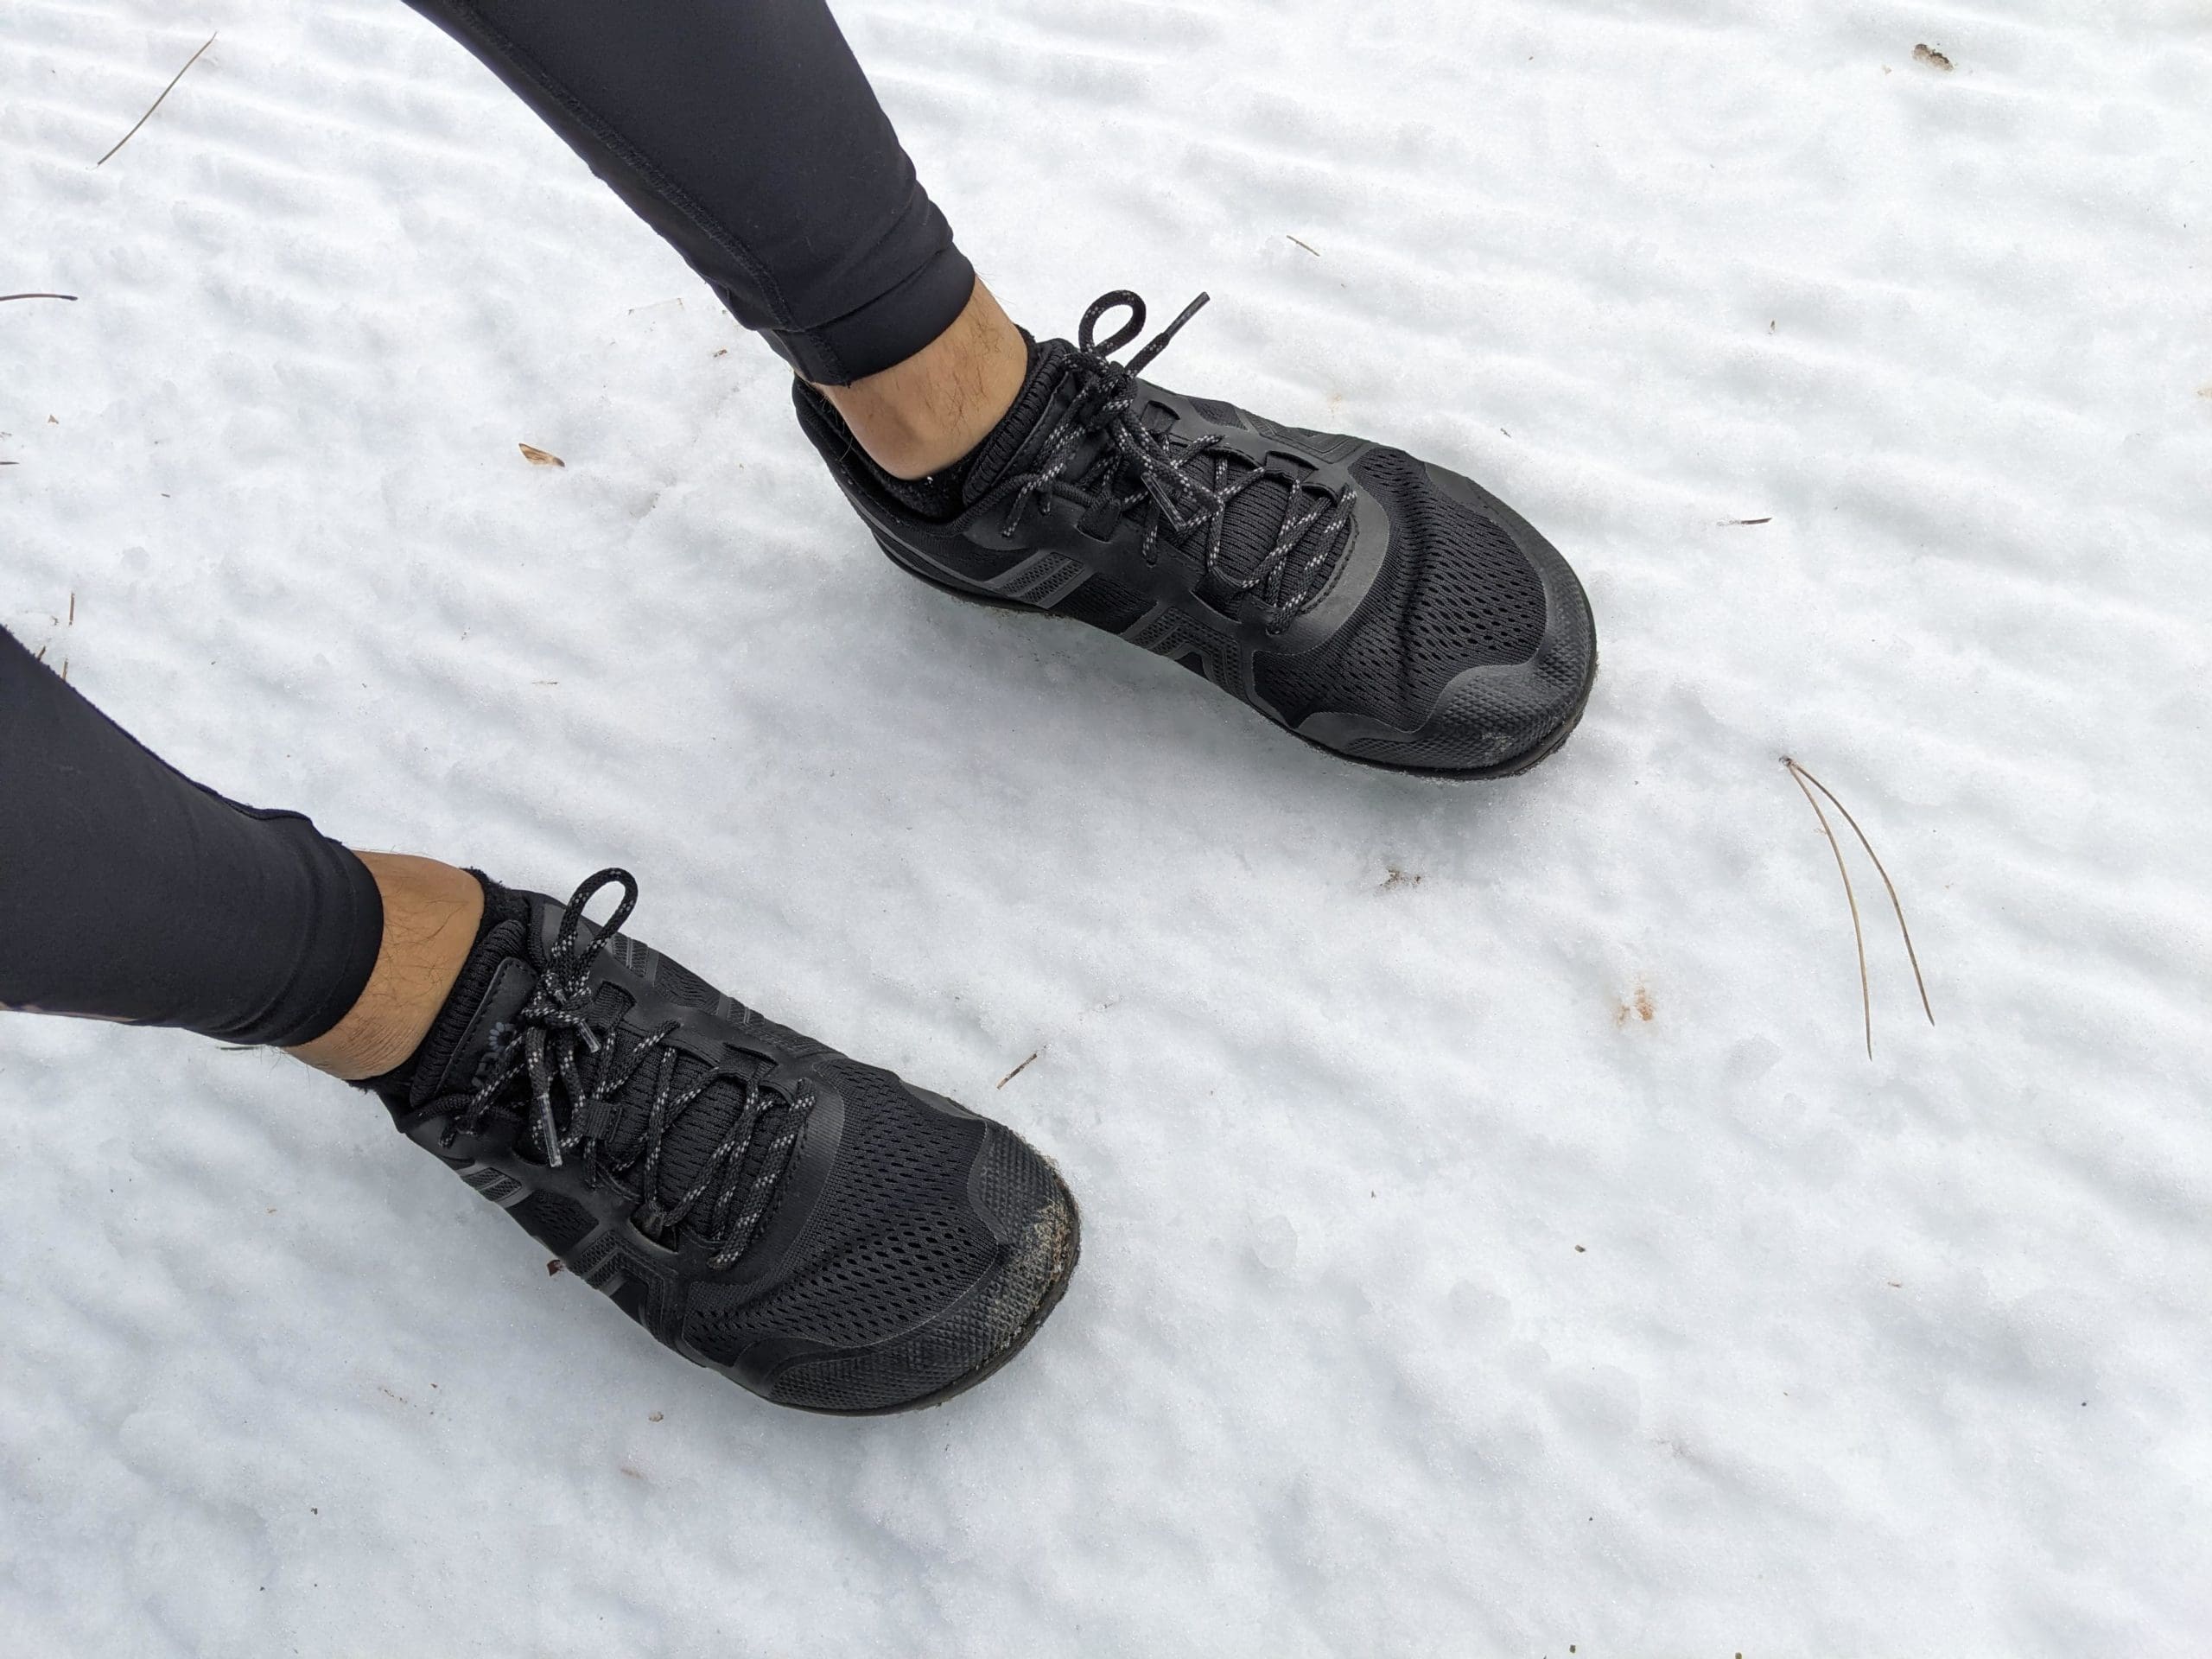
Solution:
(430, 916)
(921, 416)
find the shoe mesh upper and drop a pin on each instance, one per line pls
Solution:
(553, 1220)
(1454, 594)
(877, 1284)
(1020, 1192)
(1104, 603)
(893, 1240)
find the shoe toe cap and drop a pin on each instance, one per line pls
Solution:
(1032, 1216)
(1503, 717)
(1493, 718)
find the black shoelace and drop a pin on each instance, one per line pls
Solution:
(1184, 486)
(570, 1061)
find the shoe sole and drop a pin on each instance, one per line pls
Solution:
(1512, 768)
(997, 1362)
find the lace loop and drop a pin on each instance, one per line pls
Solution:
(1122, 336)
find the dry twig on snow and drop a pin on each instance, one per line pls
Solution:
(1807, 783)
(156, 103)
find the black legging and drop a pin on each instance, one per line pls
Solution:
(744, 132)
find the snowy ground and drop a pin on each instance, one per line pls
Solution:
(1496, 1239)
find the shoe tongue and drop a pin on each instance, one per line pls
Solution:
(689, 1145)
(1249, 530)
(1023, 429)
(493, 984)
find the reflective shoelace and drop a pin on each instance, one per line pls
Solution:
(558, 1049)
(1184, 485)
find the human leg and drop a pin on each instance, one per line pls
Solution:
(746, 136)
(433, 914)
(132, 893)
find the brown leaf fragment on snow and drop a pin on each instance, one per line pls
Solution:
(537, 457)
(1928, 55)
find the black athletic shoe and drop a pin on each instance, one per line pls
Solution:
(1373, 604)
(812, 1228)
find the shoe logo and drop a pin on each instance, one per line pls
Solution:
(496, 1048)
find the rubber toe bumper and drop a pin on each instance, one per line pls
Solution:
(1033, 1216)
(1503, 717)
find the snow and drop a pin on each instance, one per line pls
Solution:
(1517, 1252)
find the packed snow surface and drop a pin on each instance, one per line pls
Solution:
(1497, 1238)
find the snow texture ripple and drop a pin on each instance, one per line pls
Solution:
(1496, 1237)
